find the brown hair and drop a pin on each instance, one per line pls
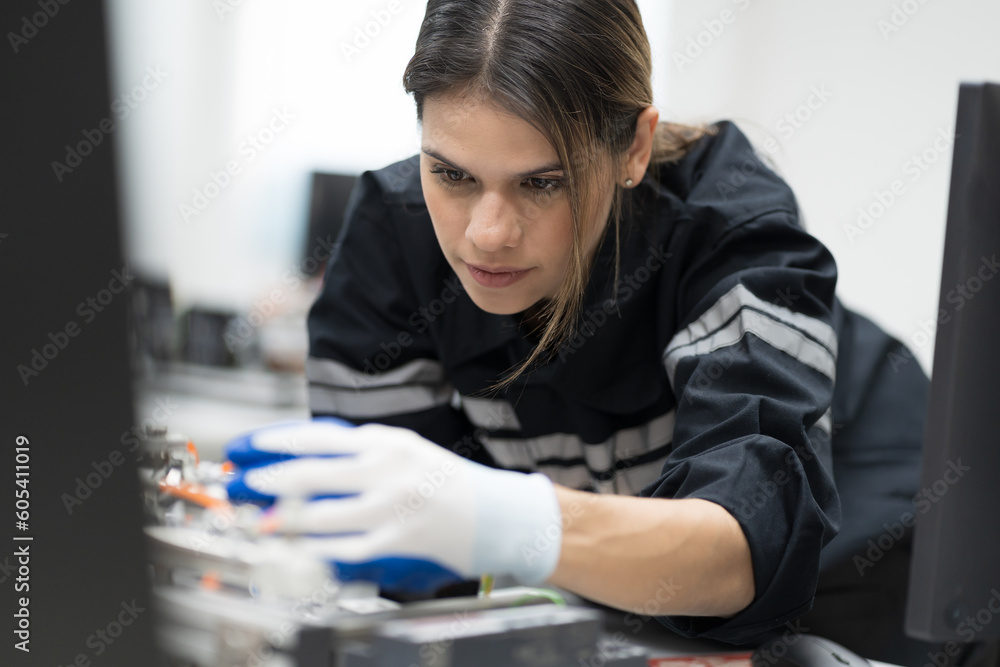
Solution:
(580, 72)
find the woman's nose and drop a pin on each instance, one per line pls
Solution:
(494, 224)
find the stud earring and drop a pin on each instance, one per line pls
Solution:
(628, 182)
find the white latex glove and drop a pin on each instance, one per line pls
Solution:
(384, 504)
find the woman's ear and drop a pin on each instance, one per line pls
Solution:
(641, 150)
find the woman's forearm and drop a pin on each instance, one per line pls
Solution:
(689, 555)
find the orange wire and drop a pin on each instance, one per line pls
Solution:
(211, 581)
(195, 493)
(194, 452)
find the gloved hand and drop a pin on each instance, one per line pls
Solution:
(383, 504)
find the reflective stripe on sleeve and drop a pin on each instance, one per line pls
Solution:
(336, 374)
(335, 388)
(373, 403)
(739, 312)
(825, 423)
(567, 460)
(491, 414)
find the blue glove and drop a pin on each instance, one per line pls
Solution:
(383, 504)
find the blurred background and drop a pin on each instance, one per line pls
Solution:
(241, 125)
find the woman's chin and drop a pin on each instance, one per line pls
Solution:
(496, 302)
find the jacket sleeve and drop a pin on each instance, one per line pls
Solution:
(372, 357)
(751, 357)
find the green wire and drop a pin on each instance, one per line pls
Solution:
(530, 596)
(485, 585)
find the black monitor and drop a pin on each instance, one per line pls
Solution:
(329, 196)
(954, 592)
(73, 576)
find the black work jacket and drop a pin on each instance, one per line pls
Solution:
(721, 367)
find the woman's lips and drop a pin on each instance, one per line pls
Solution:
(496, 277)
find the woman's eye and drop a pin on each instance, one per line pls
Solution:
(543, 185)
(449, 177)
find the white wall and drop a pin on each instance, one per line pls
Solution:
(889, 92)
(336, 67)
(227, 73)
(889, 95)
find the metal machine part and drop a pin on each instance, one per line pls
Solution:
(225, 594)
(203, 628)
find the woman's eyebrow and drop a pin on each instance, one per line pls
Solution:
(554, 166)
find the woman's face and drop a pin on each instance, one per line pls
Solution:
(495, 192)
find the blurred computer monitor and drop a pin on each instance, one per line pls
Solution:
(73, 569)
(330, 193)
(954, 591)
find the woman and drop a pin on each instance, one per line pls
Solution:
(561, 284)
